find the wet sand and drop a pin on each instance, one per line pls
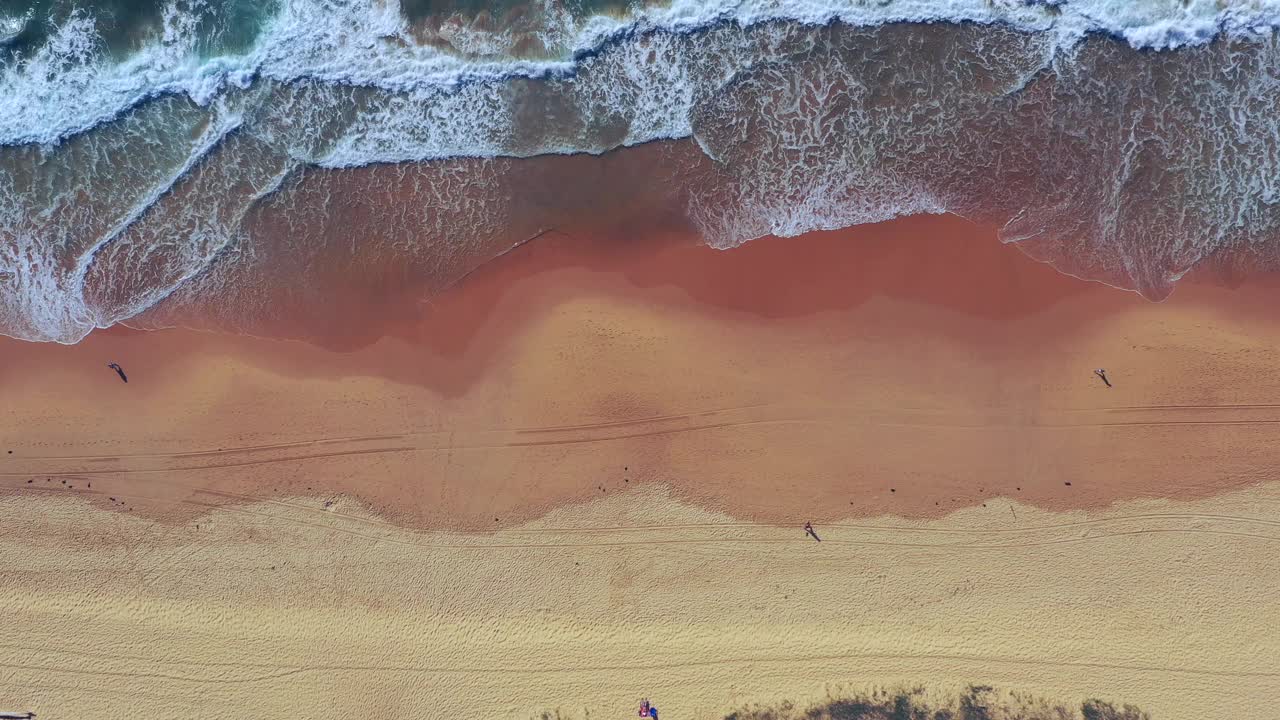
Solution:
(639, 430)
(912, 369)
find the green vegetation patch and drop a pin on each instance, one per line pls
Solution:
(978, 702)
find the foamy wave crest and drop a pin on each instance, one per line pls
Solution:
(1122, 166)
(12, 25)
(53, 228)
(69, 85)
(349, 137)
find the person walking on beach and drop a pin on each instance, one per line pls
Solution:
(808, 530)
(119, 371)
(647, 710)
(1102, 374)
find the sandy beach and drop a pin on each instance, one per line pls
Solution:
(579, 476)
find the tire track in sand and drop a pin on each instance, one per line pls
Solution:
(702, 421)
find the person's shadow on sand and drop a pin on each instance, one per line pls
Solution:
(119, 371)
(808, 530)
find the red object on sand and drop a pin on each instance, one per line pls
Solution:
(644, 708)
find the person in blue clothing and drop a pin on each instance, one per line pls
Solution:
(647, 710)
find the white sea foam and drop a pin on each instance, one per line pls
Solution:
(12, 25)
(802, 129)
(43, 299)
(67, 86)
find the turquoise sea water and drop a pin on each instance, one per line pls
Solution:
(123, 27)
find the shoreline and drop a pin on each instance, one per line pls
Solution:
(582, 477)
(919, 368)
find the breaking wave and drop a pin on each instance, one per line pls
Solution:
(217, 162)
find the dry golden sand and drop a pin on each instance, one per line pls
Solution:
(258, 528)
(285, 609)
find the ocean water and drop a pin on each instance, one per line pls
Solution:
(267, 166)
